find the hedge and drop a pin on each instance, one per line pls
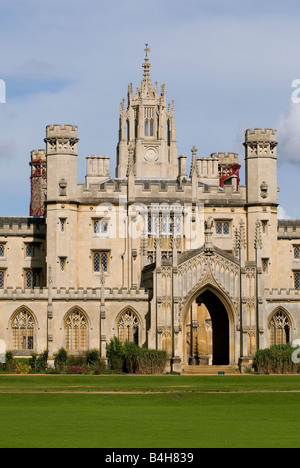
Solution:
(276, 360)
(133, 359)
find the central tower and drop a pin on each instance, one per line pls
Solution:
(147, 127)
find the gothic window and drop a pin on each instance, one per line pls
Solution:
(264, 227)
(97, 227)
(219, 228)
(32, 250)
(2, 250)
(100, 226)
(62, 264)
(22, 327)
(76, 331)
(104, 262)
(29, 251)
(265, 265)
(32, 279)
(151, 127)
(223, 228)
(150, 259)
(171, 226)
(280, 329)
(297, 280)
(96, 263)
(149, 225)
(226, 230)
(104, 226)
(297, 253)
(62, 223)
(164, 225)
(100, 262)
(128, 327)
(168, 133)
(2, 279)
(178, 225)
(128, 130)
(149, 122)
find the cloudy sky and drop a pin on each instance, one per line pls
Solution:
(229, 65)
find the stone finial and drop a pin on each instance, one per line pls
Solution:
(208, 246)
(194, 167)
(131, 170)
(258, 236)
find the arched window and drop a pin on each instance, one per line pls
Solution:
(22, 326)
(128, 327)
(151, 127)
(146, 127)
(76, 331)
(280, 329)
(149, 121)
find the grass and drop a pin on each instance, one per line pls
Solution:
(186, 413)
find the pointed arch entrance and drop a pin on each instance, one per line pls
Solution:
(208, 329)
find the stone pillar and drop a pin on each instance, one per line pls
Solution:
(50, 320)
(102, 318)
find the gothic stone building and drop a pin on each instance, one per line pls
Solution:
(185, 260)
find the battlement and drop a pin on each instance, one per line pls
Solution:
(277, 295)
(38, 155)
(258, 134)
(226, 158)
(288, 229)
(81, 294)
(61, 131)
(22, 226)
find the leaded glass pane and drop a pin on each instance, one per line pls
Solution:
(23, 331)
(279, 329)
(76, 332)
(128, 327)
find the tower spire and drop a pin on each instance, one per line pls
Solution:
(147, 65)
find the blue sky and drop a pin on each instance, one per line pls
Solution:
(228, 65)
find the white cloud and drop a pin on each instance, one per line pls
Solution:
(289, 134)
(282, 214)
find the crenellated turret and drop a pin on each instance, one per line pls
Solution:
(261, 166)
(61, 151)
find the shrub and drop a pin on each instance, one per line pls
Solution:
(39, 363)
(100, 368)
(78, 370)
(114, 349)
(10, 362)
(22, 368)
(115, 354)
(76, 361)
(60, 360)
(135, 360)
(92, 357)
(276, 360)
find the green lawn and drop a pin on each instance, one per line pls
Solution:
(185, 415)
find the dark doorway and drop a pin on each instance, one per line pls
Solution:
(220, 327)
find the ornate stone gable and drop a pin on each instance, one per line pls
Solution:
(218, 269)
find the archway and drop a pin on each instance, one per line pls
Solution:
(207, 330)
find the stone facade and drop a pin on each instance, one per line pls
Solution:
(191, 262)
